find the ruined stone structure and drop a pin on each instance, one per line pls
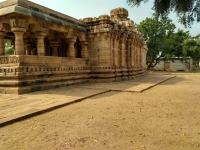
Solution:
(53, 49)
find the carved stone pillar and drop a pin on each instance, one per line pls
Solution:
(29, 48)
(40, 32)
(71, 47)
(18, 27)
(54, 45)
(40, 43)
(2, 35)
(13, 43)
(116, 51)
(19, 42)
(84, 51)
(2, 51)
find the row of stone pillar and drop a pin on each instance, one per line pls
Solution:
(55, 45)
(18, 27)
(71, 49)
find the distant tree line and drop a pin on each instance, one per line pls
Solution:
(163, 41)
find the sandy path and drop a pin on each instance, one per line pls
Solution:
(166, 117)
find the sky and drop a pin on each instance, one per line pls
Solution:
(94, 8)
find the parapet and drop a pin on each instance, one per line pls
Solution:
(118, 23)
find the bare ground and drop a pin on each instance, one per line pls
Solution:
(166, 117)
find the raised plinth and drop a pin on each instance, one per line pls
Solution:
(21, 74)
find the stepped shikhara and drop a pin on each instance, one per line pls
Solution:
(53, 49)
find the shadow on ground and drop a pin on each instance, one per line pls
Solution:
(17, 107)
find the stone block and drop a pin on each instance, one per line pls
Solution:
(2, 90)
(11, 90)
(23, 90)
(35, 88)
(46, 86)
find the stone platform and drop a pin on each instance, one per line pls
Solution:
(17, 107)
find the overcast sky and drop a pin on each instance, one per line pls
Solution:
(94, 8)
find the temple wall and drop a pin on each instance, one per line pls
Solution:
(24, 74)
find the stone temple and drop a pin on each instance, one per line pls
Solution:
(53, 49)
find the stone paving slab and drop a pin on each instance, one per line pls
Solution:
(17, 107)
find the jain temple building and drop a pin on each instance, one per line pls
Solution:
(52, 49)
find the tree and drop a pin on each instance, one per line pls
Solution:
(8, 47)
(191, 48)
(187, 11)
(175, 44)
(156, 32)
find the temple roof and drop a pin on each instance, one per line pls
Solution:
(27, 8)
(119, 13)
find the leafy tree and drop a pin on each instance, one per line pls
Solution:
(187, 11)
(8, 47)
(157, 32)
(191, 47)
(175, 44)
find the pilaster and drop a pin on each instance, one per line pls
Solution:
(92, 48)
(136, 54)
(139, 56)
(104, 49)
(123, 50)
(112, 48)
(132, 53)
(116, 51)
(128, 57)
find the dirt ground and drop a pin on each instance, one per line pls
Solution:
(166, 117)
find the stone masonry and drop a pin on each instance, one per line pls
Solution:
(53, 49)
